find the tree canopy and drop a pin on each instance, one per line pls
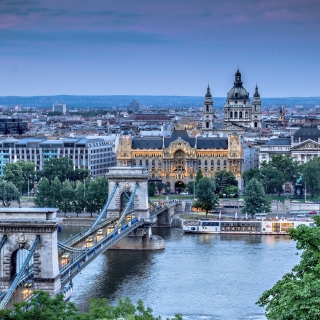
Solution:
(63, 169)
(296, 296)
(255, 200)
(8, 193)
(205, 194)
(225, 179)
(42, 306)
(311, 176)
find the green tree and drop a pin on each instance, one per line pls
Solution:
(67, 195)
(311, 176)
(231, 191)
(205, 194)
(28, 173)
(79, 201)
(199, 176)
(43, 196)
(224, 179)
(63, 169)
(272, 180)
(190, 187)
(249, 174)
(296, 295)
(151, 190)
(255, 199)
(12, 172)
(55, 192)
(8, 193)
(42, 306)
(102, 191)
(289, 167)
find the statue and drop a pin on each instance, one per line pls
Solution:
(298, 188)
(299, 180)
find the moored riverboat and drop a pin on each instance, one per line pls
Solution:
(242, 226)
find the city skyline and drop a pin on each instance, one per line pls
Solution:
(159, 48)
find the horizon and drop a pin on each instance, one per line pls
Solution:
(169, 48)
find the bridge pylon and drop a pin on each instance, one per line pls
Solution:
(20, 228)
(127, 178)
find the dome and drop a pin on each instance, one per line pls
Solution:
(238, 93)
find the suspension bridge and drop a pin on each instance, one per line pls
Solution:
(32, 258)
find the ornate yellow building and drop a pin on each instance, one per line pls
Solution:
(176, 160)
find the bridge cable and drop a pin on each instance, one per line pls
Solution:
(16, 280)
(3, 240)
(104, 210)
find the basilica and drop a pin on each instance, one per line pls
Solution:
(176, 159)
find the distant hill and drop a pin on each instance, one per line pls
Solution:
(73, 101)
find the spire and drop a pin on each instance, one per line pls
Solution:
(256, 92)
(208, 94)
(237, 81)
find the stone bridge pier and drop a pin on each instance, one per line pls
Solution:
(21, 227)
(126, 179)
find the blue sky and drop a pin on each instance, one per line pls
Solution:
(159, 47)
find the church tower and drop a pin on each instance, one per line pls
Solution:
(207, 119)
(256, 109)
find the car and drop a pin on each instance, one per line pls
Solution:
(89, 239)
(100, 232)
(28, 284)
(184, 193)
(312, 212)
(65, 255)
(301, 215)
(295, 201)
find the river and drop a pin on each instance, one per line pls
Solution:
(200, 276)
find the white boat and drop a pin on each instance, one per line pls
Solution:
(242, 226)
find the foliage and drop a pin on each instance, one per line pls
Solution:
(151, 190)
(296, 295)
(28, 173)
(205, 194)
(224, 179)
(311, 176)
(63, 169)
(289, 167)
(190, 187)
(12, 172)
(272, 180)
(42, 306)
(231, 191)
(199, 176)
(255, 199)
(249, 174)
(79, 201)
(96, 195)
(8, 193)
(66, 197)
(43, 196)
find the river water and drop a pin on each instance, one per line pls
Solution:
(200, 276)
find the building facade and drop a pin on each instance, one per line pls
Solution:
(93, 154)
(303, 146)
(13, 126)
(238, 109)
(175, 160)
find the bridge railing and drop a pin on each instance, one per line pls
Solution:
(75, 266)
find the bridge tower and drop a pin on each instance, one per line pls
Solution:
(19, 228)
(127, 178)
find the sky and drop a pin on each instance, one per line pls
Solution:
(159, 47)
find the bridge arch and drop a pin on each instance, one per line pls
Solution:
(20, 230)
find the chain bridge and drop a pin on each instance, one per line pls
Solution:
(32, 258)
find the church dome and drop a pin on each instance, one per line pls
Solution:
(238, 92)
